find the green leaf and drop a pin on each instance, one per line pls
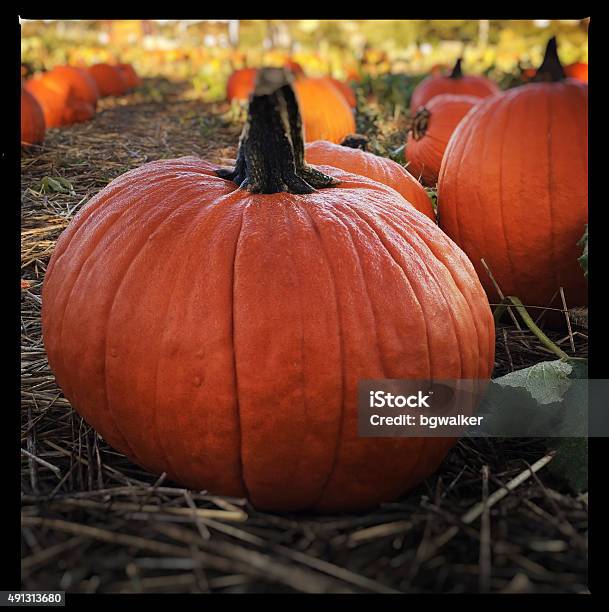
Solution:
(57, 184)
(546, 382)
(545, 394)
(583, 260)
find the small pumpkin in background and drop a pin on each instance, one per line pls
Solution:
(60, 105)
(326, 115)
(240, 84)
(577, 71)
(346, 90)
(32, 119)
(513, 187)
(109, 79)
(438, 70)
(82, 83)
(455, 83)
(431, 129)
(130, 75)
(380, 169)
(294, 67)
(213, 324)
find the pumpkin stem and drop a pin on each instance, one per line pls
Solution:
(551, 69)
(420, 123)
(457, 73)
(355, 141)
(271, 146)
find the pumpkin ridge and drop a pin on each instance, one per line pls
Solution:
(298, 467)
(365, 284)
(423, 441)
(580, 141)
(422, 457)
(392, 257)
(408, 280)
(551, 183)
(452, 144)
(341, 416)
(422, 247)
(411, 241)
(171, 292)
(120, 284)
(71, 291)
(393, 219)
(234, 350)
(478, 197)
(501, 197)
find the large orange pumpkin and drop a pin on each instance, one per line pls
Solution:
(578, 71)
(82, 83)
(130, 75)
(32, 119)
(59, 103)
(455, 83)
(218, 333)
(513, 187)
(109, 79)
(377, 168)
(431, 129)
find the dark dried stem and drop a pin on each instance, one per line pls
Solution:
(551, 69)
(271, 147)
(355, 141)
(420, 123)
(457, 73)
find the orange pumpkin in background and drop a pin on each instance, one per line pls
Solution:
(109, 79)
(130, 75)
(513, 187)
(438, 70)
(59, 103)
(241, 84)
(294, 67)
(32, 119)
(325, 112)
(431, 129)
(240, 376)
(577, 71)
(377, 168)
(82, 83)
(345, 90)
(455, 83)
(326, 115)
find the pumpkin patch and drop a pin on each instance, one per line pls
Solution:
(79, 80)
(59, 101)
(284, 327)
